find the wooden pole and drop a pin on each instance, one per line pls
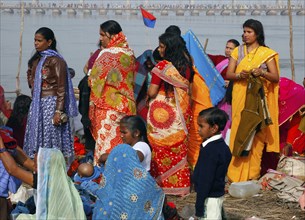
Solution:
(205, 44)
(291, 41)
(18, 90)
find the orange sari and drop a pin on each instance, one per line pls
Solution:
(167, 129)
(111, 98)
(200, 100)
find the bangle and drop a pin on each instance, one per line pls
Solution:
(58, 111)
(238, 76)
(3, 150)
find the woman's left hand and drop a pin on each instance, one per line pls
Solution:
(56, 119)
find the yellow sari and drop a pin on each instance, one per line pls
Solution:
(246, 168)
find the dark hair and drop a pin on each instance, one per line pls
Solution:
(156, 55)
(215, 116)
(233, 41)
(173, 29)
(177, 53)
(48, 34)
(112, 27)
(258, 29)
(134, 123)
(20, 109)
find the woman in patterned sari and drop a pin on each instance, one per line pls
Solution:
(168, 115)
(111, 82)
(253, 60)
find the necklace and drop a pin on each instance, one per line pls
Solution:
(250, 56)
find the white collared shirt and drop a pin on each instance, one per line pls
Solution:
(213, 138)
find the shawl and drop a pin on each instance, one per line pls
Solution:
(126, 190)
(112, 77)
(262, 55)
(70, 101)
(291, 99)
(206, 68)
(57, 197)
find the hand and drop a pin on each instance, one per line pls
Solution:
(244, 74)
(258, 72)
(56, 119)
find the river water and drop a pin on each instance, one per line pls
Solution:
(78, 35)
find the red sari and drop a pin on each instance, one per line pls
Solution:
(111, 98)
(167, 130)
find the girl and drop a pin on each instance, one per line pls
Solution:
(133, 132)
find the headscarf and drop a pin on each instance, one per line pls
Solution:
(127, 190)
(57, 197)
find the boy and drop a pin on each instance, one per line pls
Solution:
(212, 165)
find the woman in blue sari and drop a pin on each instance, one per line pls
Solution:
(126, 190)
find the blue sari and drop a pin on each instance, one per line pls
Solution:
(126, 190)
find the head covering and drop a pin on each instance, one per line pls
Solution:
(57, 197)
(291, 99)
(127, 190)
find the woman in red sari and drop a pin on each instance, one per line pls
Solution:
(168, 115)
(111, 82)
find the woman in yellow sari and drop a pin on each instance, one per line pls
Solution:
(169, 115)
(253, 60)
(111, 82)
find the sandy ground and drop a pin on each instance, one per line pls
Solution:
(265, 205)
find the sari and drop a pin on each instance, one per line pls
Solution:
(206, 68)
(246, 168)
(291, 108)
(111, 98)
(167, 130)
(200, 101)
(126, 190)
(57, 197)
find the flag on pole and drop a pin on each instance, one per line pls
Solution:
(148, 19)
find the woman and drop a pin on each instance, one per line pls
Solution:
(168, 115)
(53, 98)
(252, 65)
(126, 190)
(111, 82)
(19, 117)
(5, 108)
(291, 115)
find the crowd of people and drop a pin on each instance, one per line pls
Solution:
(152, 126)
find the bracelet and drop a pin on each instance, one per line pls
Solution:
(238, 76)
(58, 111)
(3, 150)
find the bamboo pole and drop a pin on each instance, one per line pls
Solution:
(18, 90)
(291, 41)
(205, 44)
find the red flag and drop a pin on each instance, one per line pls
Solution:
(148, 19)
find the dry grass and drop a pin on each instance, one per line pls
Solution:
(265, 205)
